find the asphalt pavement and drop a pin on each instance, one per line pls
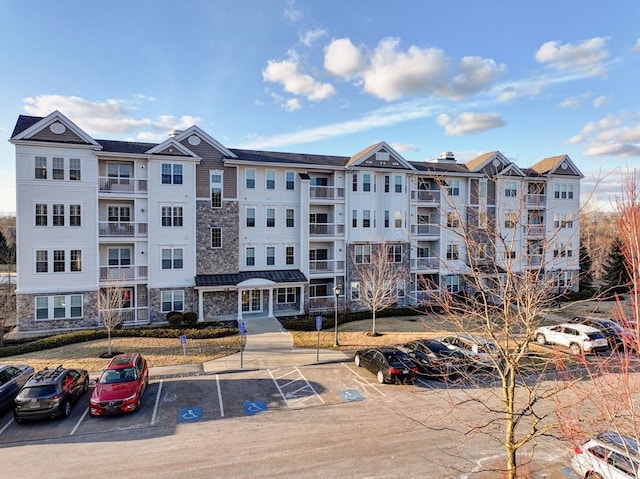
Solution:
(268, 346)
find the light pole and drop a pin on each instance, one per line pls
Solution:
(336, 291)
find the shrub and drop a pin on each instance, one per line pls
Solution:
(190, 318)
(175, 320)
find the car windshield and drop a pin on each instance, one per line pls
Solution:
(609, 326)
(111, 376)
(398, 361)
(595, 335)
(38, 391)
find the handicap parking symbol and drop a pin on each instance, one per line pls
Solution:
(190, 414)
(254, 407)
(351, 395)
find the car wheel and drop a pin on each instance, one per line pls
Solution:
(16, 419)
(593, 475)
(541, 340)
(380, 377)
(357, 360)
(575, 349)
(85, 386)
(66, 409)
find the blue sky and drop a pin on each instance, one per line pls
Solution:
(531, 78)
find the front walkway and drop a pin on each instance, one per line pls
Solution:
(269, 346)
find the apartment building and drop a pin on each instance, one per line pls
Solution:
(191, 225)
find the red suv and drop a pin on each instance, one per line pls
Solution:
(121, 385)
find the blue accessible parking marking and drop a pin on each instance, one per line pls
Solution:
(190, 414)
(351, 395)
(254, 407)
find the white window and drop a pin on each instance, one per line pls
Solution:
(401, 288)
(563, 192)
(58, 261)
(271, 180)
(171, 174)
(398, 184)
(354, 218)
(271, 217)
(172, 300)
(562, 220)
(510, 254)
(216, 189)
(286, 295)
(397, 222)
(58, 215)
(453, 221)
(354, 182)
(172, 216)
(453, 188)
(252, 301)
(250, 256)
(58, 169)
(75, 216)
(250, 179)
(289, 255)
(42, 261)
(74, 169)
(387, 183)
(41, 214)
(366, 218)
(40, 168)
(386, 218)
(394, 253)
(119, 256)
(271, 255)
(172, 258)
(453, 251)
(75, 258)
(482, 188)
(510, 219)
(216, 237)
(563, 250)
(290, 180)
(366, 182)
(452, 284)
(362, 253)
(59, 307)
(511, 189)
(355, 290)
(290, 217)
(251, 217)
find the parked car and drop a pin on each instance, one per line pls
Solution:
(50, 393)
(618, 337)
(388, 364)
(430, 364)
(480, 352)
(608, 456)
(12, 378)
(577, 337)
(120, 387)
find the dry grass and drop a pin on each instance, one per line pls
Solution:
(157, 351)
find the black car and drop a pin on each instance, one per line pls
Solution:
(388, 364)
(49, 393)
(618, 337)
(455, 360)
(12, 378)
(430, 365)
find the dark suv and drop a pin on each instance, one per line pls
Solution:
(618, 337)
(49, 393)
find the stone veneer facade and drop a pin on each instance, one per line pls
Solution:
(28, 323)
(217, 260)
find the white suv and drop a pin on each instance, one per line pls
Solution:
(608, 456)
(577, 337)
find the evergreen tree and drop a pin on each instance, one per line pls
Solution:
(586, 271)
(616, 277)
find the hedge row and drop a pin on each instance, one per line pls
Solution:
(308, 323)
(90, 335)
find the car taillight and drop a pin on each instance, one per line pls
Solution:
(587, 340)
(476, 357)
(394, 371)
(577, 450)
(414, 370)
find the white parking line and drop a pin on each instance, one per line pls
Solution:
(155, 407)
(291, 398)
(6, 425)
(219, 396)
(365, 382)
(75, 428)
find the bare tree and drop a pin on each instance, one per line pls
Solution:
(381, 274)
(7, 293)
(510, 269)
(112, 301)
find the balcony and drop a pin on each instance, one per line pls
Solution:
(123, 273)
(326, 229)
(534, 230)
(122, 185)
(326, 192)
(121, 229)
(326, 266)
(426, 196)
(533, 260)
(130, 316)
(536, 200)
(425, 263)
(425, 230)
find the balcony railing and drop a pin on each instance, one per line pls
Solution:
(534, 260)
(326, 192)
(326, 229)
(122, 185)
(425, 263)
(325, 266)
(425, 230)
(426, 196)
(536, 200)
(534, 230)
(123, 273)
(129, 316)
(122, 229)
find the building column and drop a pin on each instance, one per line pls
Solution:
(270, 303)
(239, 304)
(301, 299)
(200, 306)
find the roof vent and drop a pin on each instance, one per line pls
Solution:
(446, 157)
(174, 133)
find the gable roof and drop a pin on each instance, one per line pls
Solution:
(195, 130)
(556, 164)
(369, 155)
(167, 146)
(60, 130)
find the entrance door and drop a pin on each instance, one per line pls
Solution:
(252, 301)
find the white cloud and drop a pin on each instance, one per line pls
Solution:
(570, 102)
(292, 104)
(343, 58)
(611, 136)
(292, 13)
(308, 38)
(286, 72)
(600, 101)
(586, 57)
(476, 74)
(402, 147)
(112, 116)
(637, 46)
(383, 117)
(469, 123)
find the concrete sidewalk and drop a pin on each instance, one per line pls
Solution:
(268, 346)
